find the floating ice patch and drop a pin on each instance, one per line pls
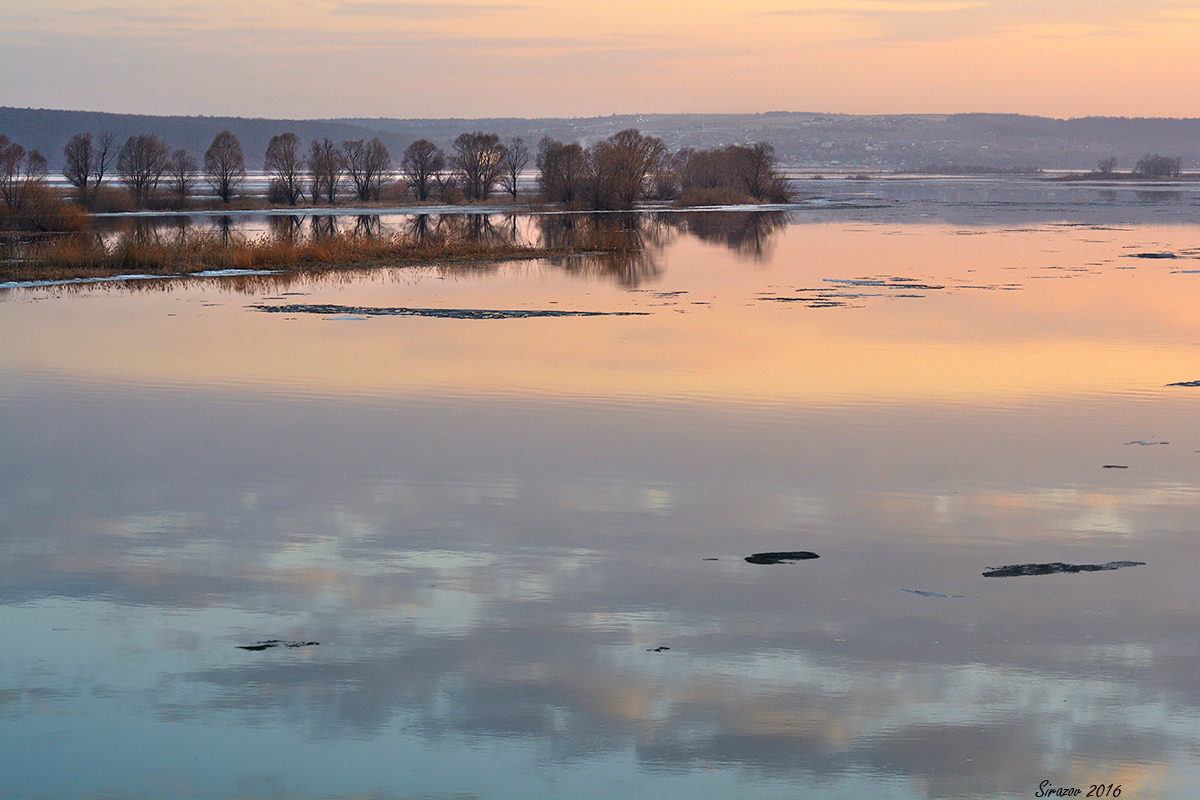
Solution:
(212, 273)
(784, 557)
(227, 273)
(939, 594)
(1055, 567)
(335, 311)
(69, 281)
(270, 643)
(893, 283)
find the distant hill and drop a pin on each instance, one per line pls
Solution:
(48, 131)
(883, 142)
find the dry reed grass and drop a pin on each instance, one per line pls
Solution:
(88, 257)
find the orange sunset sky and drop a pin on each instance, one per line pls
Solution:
(332, 58)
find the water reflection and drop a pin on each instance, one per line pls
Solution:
(1158, 196)
(633, 243)
(521, 543)
(368, 225)
(623, 248)
(747, 233)
(627, 246)
(322, 225)
(484, 594)
(288, 228)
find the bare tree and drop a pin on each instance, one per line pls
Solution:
(78, 163)
(141, 163)
(755, 168)
(666, 180)
(285, 165)
(421, 165)
(366, 165)
(105, 154)
(1107, 165)
(21, 171)
(379, 165)
(479, 160)
(324, 169)
(181, 173)
(733, 173)
(516, 156)
(224, 165)
(702, 169)
(560, 170)
(448, 190)
(619, 166)
(85, 163)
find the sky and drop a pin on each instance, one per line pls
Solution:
(563, 58)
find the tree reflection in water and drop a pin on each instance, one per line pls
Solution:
(623, 247)
(368, 225)
(748, 233)
(287, 228)
(322, 225)
(223, 225)
(421, 228)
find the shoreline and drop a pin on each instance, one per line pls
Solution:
(198, 259)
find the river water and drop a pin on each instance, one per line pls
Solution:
(512, 550)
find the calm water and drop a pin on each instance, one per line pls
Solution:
(495, 528)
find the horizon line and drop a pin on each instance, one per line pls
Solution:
(603, 116)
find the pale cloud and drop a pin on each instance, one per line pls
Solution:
(917, 21)
(549, 57)
(422, 10)
(868, 6)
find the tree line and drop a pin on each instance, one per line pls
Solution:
(611, 173)
(1151, 165)
(152, 172)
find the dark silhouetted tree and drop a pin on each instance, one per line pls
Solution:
(284, 164)
(560, 170)
(21, 173)
(619, 166)
(702, 169)
(224, 165)
(181, 173)
(754, 167)
(516, 156)
(141, 163)
(1156, 166)
(366, 164)
(1107, 165)
(421, 165)
(479, 159)
(735, 173)
(325, 168)
(86, 162)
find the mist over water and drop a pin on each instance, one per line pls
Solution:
(520, 542)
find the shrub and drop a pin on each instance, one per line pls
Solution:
(43, 210)
(111, 200)
(713, 196)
